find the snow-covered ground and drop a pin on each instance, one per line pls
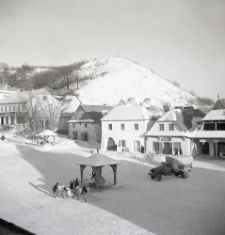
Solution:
(27, 177)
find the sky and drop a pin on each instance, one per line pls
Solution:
(180, 40)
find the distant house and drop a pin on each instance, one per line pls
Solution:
(209, 137)
(85, 124)
(29, 108)
(171, 131)
(125, 126)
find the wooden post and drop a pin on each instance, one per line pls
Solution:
(114, 167)
(81, 173)
(96, 177)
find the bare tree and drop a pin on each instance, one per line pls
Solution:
(50, 112)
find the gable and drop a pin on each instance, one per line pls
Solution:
(220, 104)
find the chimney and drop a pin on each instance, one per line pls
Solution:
(132, 101)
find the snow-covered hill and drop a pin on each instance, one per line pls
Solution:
(116, 78)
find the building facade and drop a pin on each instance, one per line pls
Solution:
(209, 137)
(85, 124)
(125, 127)
(171, 131)
(37, 109)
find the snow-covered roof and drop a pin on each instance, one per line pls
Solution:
(46, 133)
(184, 118)
(22, 97)
(215, 115)
(97, 160)
(206, 134)
(70, 105)
(128, 112)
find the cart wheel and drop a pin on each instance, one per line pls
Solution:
(184, 175)
(159, 177)
(177, 174)
(153, 177)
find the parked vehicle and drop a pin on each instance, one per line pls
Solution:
(178, 165)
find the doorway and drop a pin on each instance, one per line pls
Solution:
(111, 144)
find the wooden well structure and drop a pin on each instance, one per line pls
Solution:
(97, 161)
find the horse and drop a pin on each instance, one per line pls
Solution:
(81, 190)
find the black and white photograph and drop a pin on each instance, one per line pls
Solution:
(112, 117)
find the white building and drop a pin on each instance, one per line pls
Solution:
(125, 126)
(209, 137)
(171, 130)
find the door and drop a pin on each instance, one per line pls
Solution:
(167, 148)
(2, 120)
(75, 135)
(85, 136)
(136, 146)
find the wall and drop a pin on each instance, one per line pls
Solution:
(129, 134)
(184, 143)
(81, 129)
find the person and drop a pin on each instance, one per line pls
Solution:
(3, 137)
(76, 183)
(176, 150)
(181, 151)
(54, 189)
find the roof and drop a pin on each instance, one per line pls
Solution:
(46, 133)
(121, 102)
(206, 134)
(128, 112)
(84, 118)
(97, 160)
(95, 108)
(220, 104)
(22, 96)
(215, 115)
(184, 118)
(93, 112)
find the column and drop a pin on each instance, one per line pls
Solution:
(216, 146)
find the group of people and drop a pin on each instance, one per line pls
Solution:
(74, 189)
(176, 150)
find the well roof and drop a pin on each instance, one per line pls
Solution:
(97, 160)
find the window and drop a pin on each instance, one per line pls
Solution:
(73, 125)
(122, 143)
(9, 108)
(161, 127)
(24, 107)
(135, 126)
(221, 126)
(122, 126)
(18, 108)
(171, 127)
(85, 125)
(6, 120)
(109, 126)
(14, 108)
(2, 108)
(5, 108)
(155, 147)
(209, 127)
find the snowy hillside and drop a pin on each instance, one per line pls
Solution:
(117, 78)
